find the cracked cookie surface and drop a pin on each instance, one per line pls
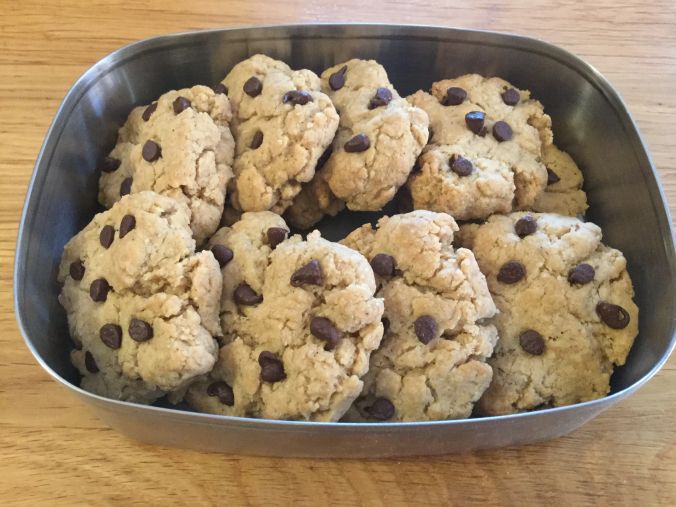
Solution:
(566, 311)
(299, 320)
(480, 120)
(180, 146)
(432, 362)
(282, 125)
(142, 306)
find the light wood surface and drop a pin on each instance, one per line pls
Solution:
(54, 451)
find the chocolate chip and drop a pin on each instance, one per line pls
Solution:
(276, 235)
(148, 112)
(90, 363)
(256, 140)
(111, 335)
(125, 186)
(99, 289)
(181, 104)
(483, 131)
(358, 143)
(140, 330)
(381, 409)
(461, 166)
(552, 177)
(323, 328)
(581, 274)
(272, 368)
(511, 272)
(222, 254)
(245, 295)
(106, 236)
(502, 131)
(525, 226)
(297, 97)
(475, 121)
(220, 88)
(77, 269)
(253, 87)
(310, 274)
(383, 264)
(510, 97)
(110, 164)
(532, 342)
(151, 151)
(127, 225)
(337, 79)
(222, 391)
(454, 96)
(382, 97)
(386, 325)
(425, 328)
(613, 316)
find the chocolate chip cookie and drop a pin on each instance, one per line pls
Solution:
(485, 152)
(432, 362)
(180, 146)
(299, 320)
(379, 138)
(566, 312)
(142, 306)
(282, 125)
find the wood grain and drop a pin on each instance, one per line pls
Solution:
(54, 451)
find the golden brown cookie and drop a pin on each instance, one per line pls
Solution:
(566, 312)
(300, 321)
(142, 306)
(485, 152)
(179, 146)
(282, 125)
(432, 362)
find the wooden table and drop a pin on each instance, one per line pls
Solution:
(53, 450)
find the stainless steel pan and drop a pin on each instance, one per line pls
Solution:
(590, 121)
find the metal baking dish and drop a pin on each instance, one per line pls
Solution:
(590, 121)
